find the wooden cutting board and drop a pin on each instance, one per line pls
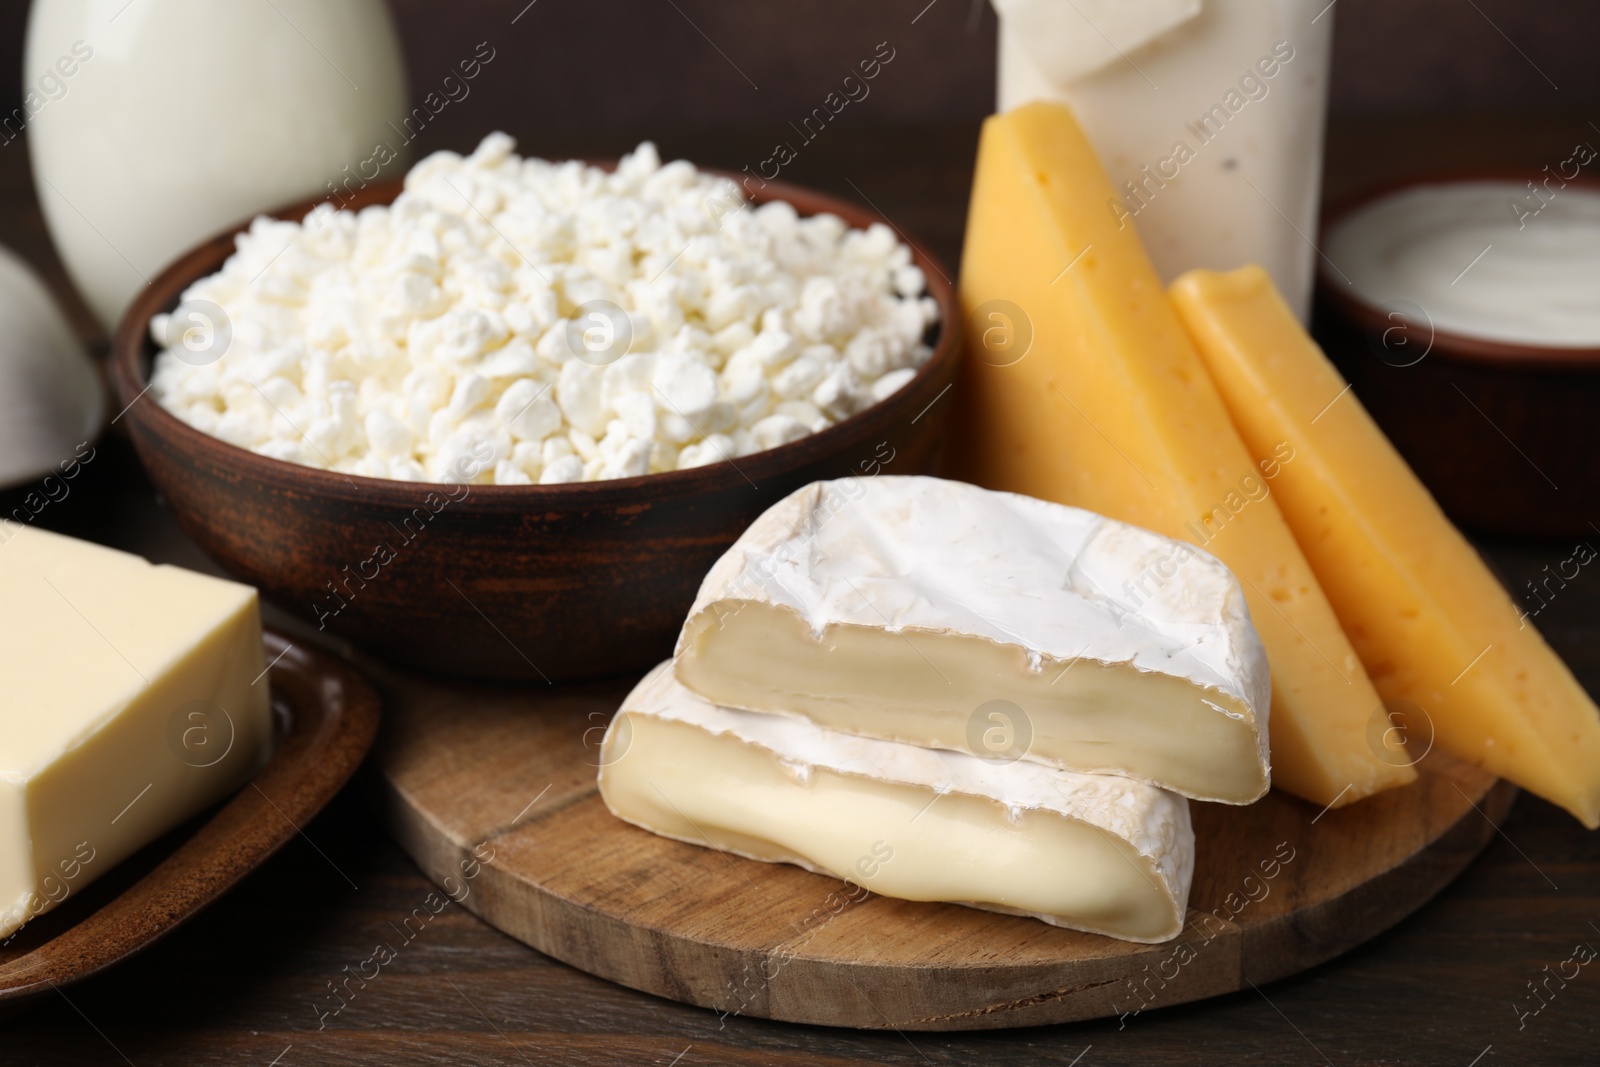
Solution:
(492, 792)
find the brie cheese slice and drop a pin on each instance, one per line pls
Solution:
(1097, 853)
(944, 615)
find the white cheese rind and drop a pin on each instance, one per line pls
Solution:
(1098, 630)
(1125, 833)
(110, 728)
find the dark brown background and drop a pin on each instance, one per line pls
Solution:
(236, 986)
(638, 65)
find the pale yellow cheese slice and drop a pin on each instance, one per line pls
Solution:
(1080, 386)
(1432, 625)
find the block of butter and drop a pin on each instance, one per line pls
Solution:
(132, 700)
(1098, 853)
(940, 614)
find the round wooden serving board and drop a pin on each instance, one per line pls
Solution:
(510, 774)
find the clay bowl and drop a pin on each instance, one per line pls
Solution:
(1504, 435)
(525, 583)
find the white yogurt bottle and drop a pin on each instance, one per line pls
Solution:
(1208, 114)
(156, 123)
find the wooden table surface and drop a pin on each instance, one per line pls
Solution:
(243, 984)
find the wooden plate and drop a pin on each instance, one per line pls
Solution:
(492, 792)
(326, 714)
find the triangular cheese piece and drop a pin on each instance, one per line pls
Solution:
(1080, 386)
(1429, 620)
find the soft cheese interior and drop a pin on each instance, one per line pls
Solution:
(129, 704)
(1091, 852)
(940, 614)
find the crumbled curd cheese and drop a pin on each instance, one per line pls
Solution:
(579, 323)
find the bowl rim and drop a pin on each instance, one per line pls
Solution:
(1465, 348)
(164, 290)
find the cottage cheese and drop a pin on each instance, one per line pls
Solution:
(580, 324)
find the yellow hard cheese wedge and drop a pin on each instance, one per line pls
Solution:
(1081, 386)
(1429, 620)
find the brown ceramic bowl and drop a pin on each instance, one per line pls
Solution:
(530, 583)
(1504, 435)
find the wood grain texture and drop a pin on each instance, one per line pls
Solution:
(510, 774)
(326, 715)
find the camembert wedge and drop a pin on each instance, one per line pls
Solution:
(133, 699)
(1080, 386)
(1430, 621)
(944, 615)
(1091, 852)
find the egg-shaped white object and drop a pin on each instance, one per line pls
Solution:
(157, 123)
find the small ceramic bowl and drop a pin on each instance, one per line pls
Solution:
(1504, 435)
(527, 583)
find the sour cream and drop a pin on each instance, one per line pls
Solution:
(1478, 261)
